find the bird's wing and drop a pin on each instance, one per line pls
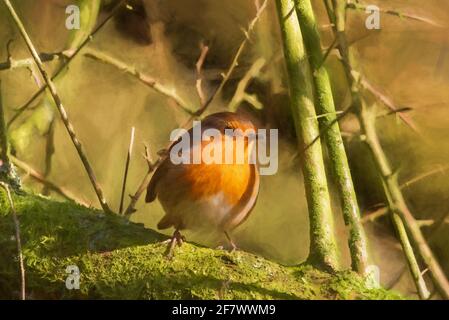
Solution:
(151, 189)
(162, 170)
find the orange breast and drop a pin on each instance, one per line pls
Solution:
(209, 179)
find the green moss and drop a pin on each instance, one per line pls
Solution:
(122, 260)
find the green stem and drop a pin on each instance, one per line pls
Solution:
(331, 131)
(322, 243)
(399, 208)
(367, 120)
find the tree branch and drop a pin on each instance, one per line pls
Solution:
(199, 76)
(361, 7)
(144, 78)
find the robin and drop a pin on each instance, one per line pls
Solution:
(217, 196)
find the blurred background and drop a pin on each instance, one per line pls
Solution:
(407, 60)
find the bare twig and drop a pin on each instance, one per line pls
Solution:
(440, 169)
(199, 76)
(328, 52)
(240, 94)
(388, 102)
(71, 54)
(152, 165)
(61, 109)
(234, 62)
(372, 216)
(362, 7)
(18, 241)
(12, 64)
(30, 64)
(39, 177)
(144, 78)
(125, 174)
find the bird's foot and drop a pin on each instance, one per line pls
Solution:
(176, 239)
(233, 247)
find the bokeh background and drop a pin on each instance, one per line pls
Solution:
(407, 60)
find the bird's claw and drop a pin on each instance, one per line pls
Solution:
(176, 239)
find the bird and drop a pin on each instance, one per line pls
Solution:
(206, 196)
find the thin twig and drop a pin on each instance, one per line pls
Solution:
(39, 177)
(328, 52)
(152, 165)
(70, 54)
(125, 174)
(362, 7)
(199, 75)
(234, 62)
(440, 169)
(388, 102)
(142, 77)
(12, 64)
(18, 241)
(240, 94)
(372, 216)
(61, 109)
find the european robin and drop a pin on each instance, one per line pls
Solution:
(210, 196)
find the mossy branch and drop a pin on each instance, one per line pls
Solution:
(118, 259)
(52, 89)
(322, 243)
(331, 131)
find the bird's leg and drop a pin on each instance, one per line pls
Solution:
(178, 239)
(233, 246)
